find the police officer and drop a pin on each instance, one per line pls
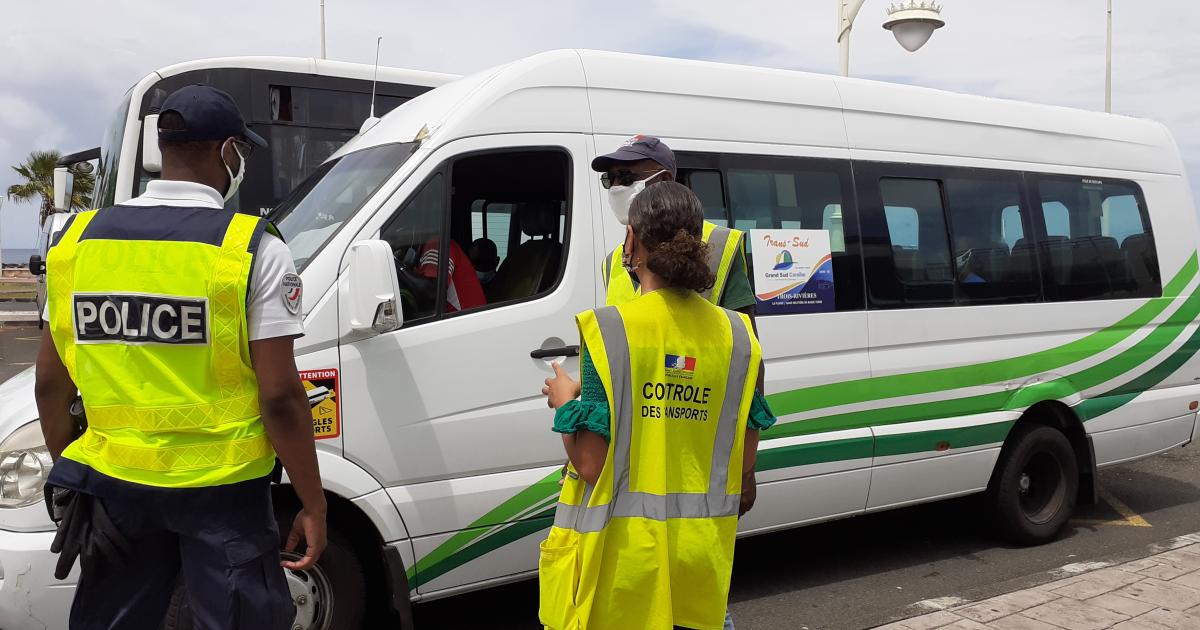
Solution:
(640, 162)
(644, 530)
(175, 320)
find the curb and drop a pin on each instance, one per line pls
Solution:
(18, 317)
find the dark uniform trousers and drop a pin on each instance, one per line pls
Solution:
(223, 540)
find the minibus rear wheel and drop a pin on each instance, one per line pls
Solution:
(1035, 484)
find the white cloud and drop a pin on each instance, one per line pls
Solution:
(70, 61)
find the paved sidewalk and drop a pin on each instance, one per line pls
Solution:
(1158, 592)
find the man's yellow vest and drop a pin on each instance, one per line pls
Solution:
(148, 312)
(650, 546)
(724, 245)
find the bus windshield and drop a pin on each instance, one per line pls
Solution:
(315, 210)
(110, 154)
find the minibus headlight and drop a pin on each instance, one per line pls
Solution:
(24, 465)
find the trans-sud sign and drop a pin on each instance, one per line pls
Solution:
(793, 271)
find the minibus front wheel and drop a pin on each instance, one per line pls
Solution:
(330, 596)
(1035, 484)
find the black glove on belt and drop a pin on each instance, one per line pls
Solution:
(85, 531)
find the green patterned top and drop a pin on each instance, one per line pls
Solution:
(590, 412)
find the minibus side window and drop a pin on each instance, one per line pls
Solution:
(709, 187)
(796, 193)
(1098, 242)
(521, 199)
(988, 269)
(507, 217)
(921, 256)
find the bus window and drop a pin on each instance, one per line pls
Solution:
(708, 187)
(798, 193)
(916, 224)
(297, 151)
(989, 269)
(1099, 244)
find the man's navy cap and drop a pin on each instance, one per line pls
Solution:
(637, 148)
(208, 114)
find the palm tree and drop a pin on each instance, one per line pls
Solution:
(38, 171)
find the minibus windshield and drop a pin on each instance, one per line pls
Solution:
(316, 209)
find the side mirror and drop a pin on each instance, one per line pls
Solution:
(374, 288)
(151, 156)
(37, 266)
(64, 184)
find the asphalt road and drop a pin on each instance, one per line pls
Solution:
(18, 347)
(866, 571)
(871, 570)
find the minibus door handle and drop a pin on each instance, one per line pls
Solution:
(550, 353)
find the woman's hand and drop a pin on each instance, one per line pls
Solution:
(561, 389)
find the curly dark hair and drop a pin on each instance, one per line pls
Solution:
(668, 219)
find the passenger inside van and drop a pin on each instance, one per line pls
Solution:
(483, 255)
(463, 290)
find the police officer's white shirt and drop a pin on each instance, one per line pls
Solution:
(267, 312)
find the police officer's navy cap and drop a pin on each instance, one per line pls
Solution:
(208, 114)
(637, 148)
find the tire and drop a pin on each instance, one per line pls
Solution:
(339, 572)
(343, 570)
(179, 611)
(1035, 485)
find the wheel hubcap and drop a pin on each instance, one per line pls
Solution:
(311, 594)
(1041, 488)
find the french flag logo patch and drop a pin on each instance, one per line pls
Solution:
(681, 363)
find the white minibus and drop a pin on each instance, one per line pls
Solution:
(1016, 293)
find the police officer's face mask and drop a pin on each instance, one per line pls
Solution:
(234, 180)
(621, 197)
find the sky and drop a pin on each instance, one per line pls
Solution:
(64, 65)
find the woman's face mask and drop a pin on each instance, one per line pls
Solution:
(627, 253)
(621, 197)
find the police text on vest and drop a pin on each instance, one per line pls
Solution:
(139, 318)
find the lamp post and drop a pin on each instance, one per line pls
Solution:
(910, 21)
(1108, 64)
(322, 29)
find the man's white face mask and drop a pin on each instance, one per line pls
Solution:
(621, 197)
(234, 180)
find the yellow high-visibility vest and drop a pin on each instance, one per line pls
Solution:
(147, 309)
(724, 245)
(650, 546)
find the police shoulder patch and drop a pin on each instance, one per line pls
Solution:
(292, 289)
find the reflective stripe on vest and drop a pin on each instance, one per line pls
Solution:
(161, 359)
(724, 243)
(716, 502)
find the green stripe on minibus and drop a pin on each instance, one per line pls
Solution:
(914, 383)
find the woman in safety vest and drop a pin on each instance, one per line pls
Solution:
(666, 429)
